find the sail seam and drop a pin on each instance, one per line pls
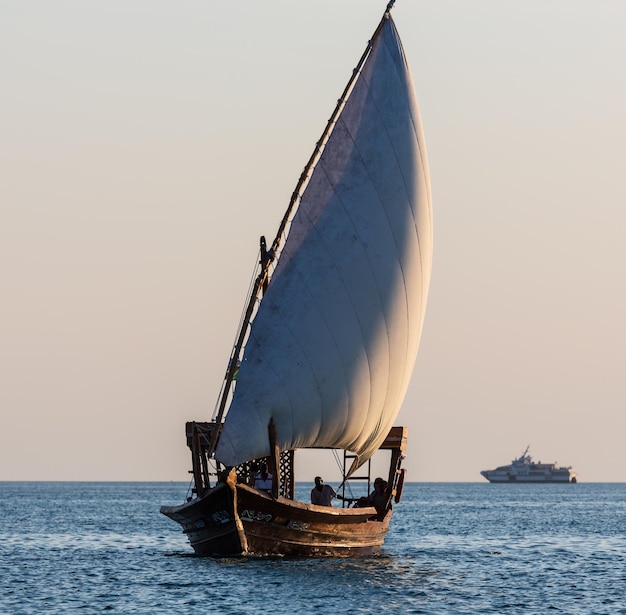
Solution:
(302, 212)
(380, 116)
(392, 55)
(375, 281)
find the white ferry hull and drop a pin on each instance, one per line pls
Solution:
(498, 477)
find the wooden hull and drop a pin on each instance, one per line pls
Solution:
(234, 519)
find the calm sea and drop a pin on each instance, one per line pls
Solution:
(453, 548)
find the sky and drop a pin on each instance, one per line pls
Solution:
(146, 145)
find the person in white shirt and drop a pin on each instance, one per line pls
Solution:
(263, 480)
(322, 494)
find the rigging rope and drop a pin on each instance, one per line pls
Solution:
(249, 292)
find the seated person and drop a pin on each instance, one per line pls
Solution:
(379, 498)
(263, 480)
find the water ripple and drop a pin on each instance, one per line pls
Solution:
(92, 548)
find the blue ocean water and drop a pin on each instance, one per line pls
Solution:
(452, 548)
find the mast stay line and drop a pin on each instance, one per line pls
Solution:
(262, 278)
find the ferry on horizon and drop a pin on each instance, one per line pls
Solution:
(525, 470)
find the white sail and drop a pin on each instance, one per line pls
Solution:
(332, 347)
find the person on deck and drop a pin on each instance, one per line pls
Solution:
(379, 497)
(322, 494)
(263, 480)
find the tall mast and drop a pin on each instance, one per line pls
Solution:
(262, 279)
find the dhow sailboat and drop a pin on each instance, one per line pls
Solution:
(329, 335)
